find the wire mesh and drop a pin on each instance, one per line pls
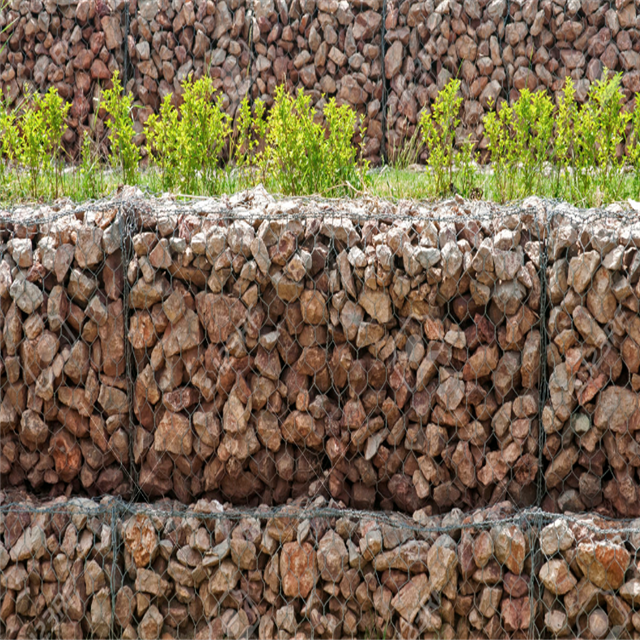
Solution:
(591, 418)
(256, 350)
(314, 365)
(75, 568)
(321, 352)
(79, 568)
(587, 577)
(63, 399)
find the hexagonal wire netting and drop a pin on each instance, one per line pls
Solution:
(64, 404)
(338, 354)
(74, 568)
(370, 359)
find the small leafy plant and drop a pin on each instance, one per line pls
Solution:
(300, 156)
(9, 142)
(520, 141)
(38, 146)
(124, 155)
(605, 113)
(533, 134)
(498, 128)
(161, 131)
(438, 132)
(188, 142)
(564, 147)
(250, 133)
(54, 113)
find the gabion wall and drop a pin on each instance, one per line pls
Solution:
(75, 568)
(374, 411)
(385, 58)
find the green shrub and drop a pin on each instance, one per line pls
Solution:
(520, 141)
(32, 145)
(438, 132)
(39, 144)
(54, 112)
(9, 142)
(599, 130)
(188, 143)
(163, 143)
(341, 155)
(533, 135)
(300, 156)
(124, 153)
(498, 126)
(564, 148)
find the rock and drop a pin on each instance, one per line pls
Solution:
(393, 59)
(410, 557)
(582, 269)
(557, 577)
(516, 614)
(442, 561)
(173, 435)
(27, 296)
(151, 624)
(556, 622)
(509, 547)
(589, 328)
(630, 591)
(332, 557)
(101, 613)
(298, 569)
(141, 540)
(221, 315)
(144, 295)
(243, 554)
(313, 307)
(556, 537)
(616, 409)
(34, 431)
(377, 304)
(412, 597)
(604, 564)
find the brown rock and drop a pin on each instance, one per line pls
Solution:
(557, 577)
(173, 435)
(221, 315)
(298, 569)
(604, 564)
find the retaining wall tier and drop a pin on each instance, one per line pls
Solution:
(386, 58)
(84, 569)
(390, 356)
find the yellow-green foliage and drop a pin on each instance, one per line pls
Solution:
(34, 142)
(587, 153)
(520, 141)
(125, 155)
(301, 156)
(188, 143)
(439, 135)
